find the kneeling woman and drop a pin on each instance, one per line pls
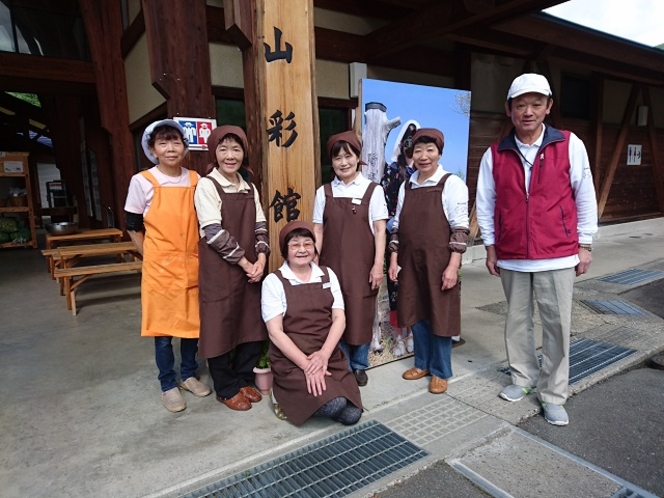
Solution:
(303, 309)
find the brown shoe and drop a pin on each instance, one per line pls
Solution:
(251, 394)
(437, 385)
(414, 374)
(237, 402)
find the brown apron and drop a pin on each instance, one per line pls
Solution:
(349, 249)
(169, 281)
(424, 236)
(230, 306)
(307, 322)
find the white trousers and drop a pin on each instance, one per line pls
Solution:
(553, 292)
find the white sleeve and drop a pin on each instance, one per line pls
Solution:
(136, 197)
(584, 190)
(397, 213)
(485, 202)
(378, 205)
(260, 215)
(455, 202)
(273, 298)
(319, 205)
(207, 203)
(336, 291)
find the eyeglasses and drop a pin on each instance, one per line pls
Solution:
(306, 245)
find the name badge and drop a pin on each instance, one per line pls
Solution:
(327, 285)
(356, 201)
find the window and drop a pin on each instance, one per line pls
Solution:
(332, 120)
(575, 97)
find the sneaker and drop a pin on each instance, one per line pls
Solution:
(514, 392)
(173, 400)
(410, 346)
(555, 414)
(193, 385)
(399, 349)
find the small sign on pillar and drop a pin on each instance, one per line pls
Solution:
(633, 155)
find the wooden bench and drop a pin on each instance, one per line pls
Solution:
(85, 272)
(51, 256)
(54, 241)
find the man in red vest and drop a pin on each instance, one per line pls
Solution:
(537, 212)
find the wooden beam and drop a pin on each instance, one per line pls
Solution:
(544, 29)
(132, 34)
(371, 8)
(45, 68)
(445, 18)
(618, 150)
(238, 22)
(180, 61)
(103, 25)
(657, 166)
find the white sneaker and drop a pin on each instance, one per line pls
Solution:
(555, 414)
(173, 400)
(196, 387)
(514, 392)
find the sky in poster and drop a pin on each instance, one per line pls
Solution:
(431, 107)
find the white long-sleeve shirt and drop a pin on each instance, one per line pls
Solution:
(584, 195)
(454, 197)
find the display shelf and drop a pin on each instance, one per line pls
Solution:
(25, 213)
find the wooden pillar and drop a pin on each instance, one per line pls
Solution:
(63, 121)
(657, 166)
(618, 151)
(179, 55)
(598, 125)
(103, 25)
(280, 96)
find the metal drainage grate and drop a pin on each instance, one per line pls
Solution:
(626, 493)
(630, 277)
(333, 467)
(587, 357)
(608, 307)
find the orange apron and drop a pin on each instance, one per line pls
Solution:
(169, 286)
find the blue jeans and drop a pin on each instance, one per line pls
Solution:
(432, 352)
(166, 360)
(358, 356)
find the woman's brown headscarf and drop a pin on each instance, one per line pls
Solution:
(217, 136)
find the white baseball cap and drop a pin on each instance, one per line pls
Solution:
(529, 83)
(148, 131)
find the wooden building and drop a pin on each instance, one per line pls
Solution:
(104, 69)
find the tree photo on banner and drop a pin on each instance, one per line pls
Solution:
(392, 113)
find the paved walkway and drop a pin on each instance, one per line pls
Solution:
(81, 413)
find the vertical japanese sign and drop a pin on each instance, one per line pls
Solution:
(289, 113)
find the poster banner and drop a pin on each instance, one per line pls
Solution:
(392, 113)
(197, 131)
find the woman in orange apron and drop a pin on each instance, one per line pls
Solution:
(349, 224)
(162, 223)
(233, 250)
(303, 309)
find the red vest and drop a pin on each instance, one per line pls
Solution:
(542, 223)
